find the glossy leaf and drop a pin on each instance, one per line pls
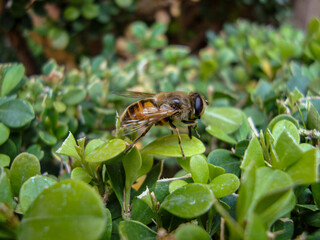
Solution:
(133, 230)
(79, 173)
(225, 159)
(142, 212)
(23, 167)
(68, 147)
(11, 79)
(255, 228)
(146, 164)
(16, 113)
(32, 188)
(199, 169)
(304, 171)
(106, 151)
(220, 134)
(316, 193)
(191, 232)
(224, 185)
(132, 163)
(67, 210)
(288, 126)
(215, 171)
(282, 117)
(313, 27)
(287, 150)
(4, 160)
(184, 163)
(313, 118)
(253, 154)
(168, 146)
(4, 133)
(48, 138)
(176, 184)
(226, 119)
(6, 194)
(195, 198)
(74, 96)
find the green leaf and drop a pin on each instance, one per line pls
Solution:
(176, 184)
(90, 10)
(215, 171)
(316, 193)
(315, 50)
(199, 169)
(225, 159)
(313, 118)
(116, 175)
(220, 134)
(11, 79)
(92, 145)
(141, 211)
(71, 13)
(16, 113)
(168, 146)
(313, 27)
(147, 163)
(74, 96)
(195, 198)
(106, 151)
(184, 163)
(304, 171)
(59, 106)
(68, 147)
(288, 126)
(47, 138)
(157, 29)
(132, 163)
(79, 173)
(31, 188)
(4, 133)
(151, 179)
(246, 194)
(4, 160)
(133, 230)
(23, 167)
(226, 119)
(266, 192)
(224, 185)
(139, 29)
(253, 154)
(255, 228)
(36, 150)
(279, 118)
(67, 210)
(287, 150)
(59, 38)
(6, 194)
(191, 232)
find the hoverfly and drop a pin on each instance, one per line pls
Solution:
(162, 109)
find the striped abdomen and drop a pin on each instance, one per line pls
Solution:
(141, 110)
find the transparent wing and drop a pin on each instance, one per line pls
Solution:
(133, 94)
(130, 126)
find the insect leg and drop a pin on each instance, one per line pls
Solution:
(189, 132)
(191, 124)
(194, 127)
(179, 137)
(139, 137)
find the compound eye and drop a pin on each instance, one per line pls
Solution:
(198, 106)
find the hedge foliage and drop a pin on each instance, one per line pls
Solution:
(254, 171)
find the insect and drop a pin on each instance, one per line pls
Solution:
(162, 109)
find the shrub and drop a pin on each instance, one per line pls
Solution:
(253, 173)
